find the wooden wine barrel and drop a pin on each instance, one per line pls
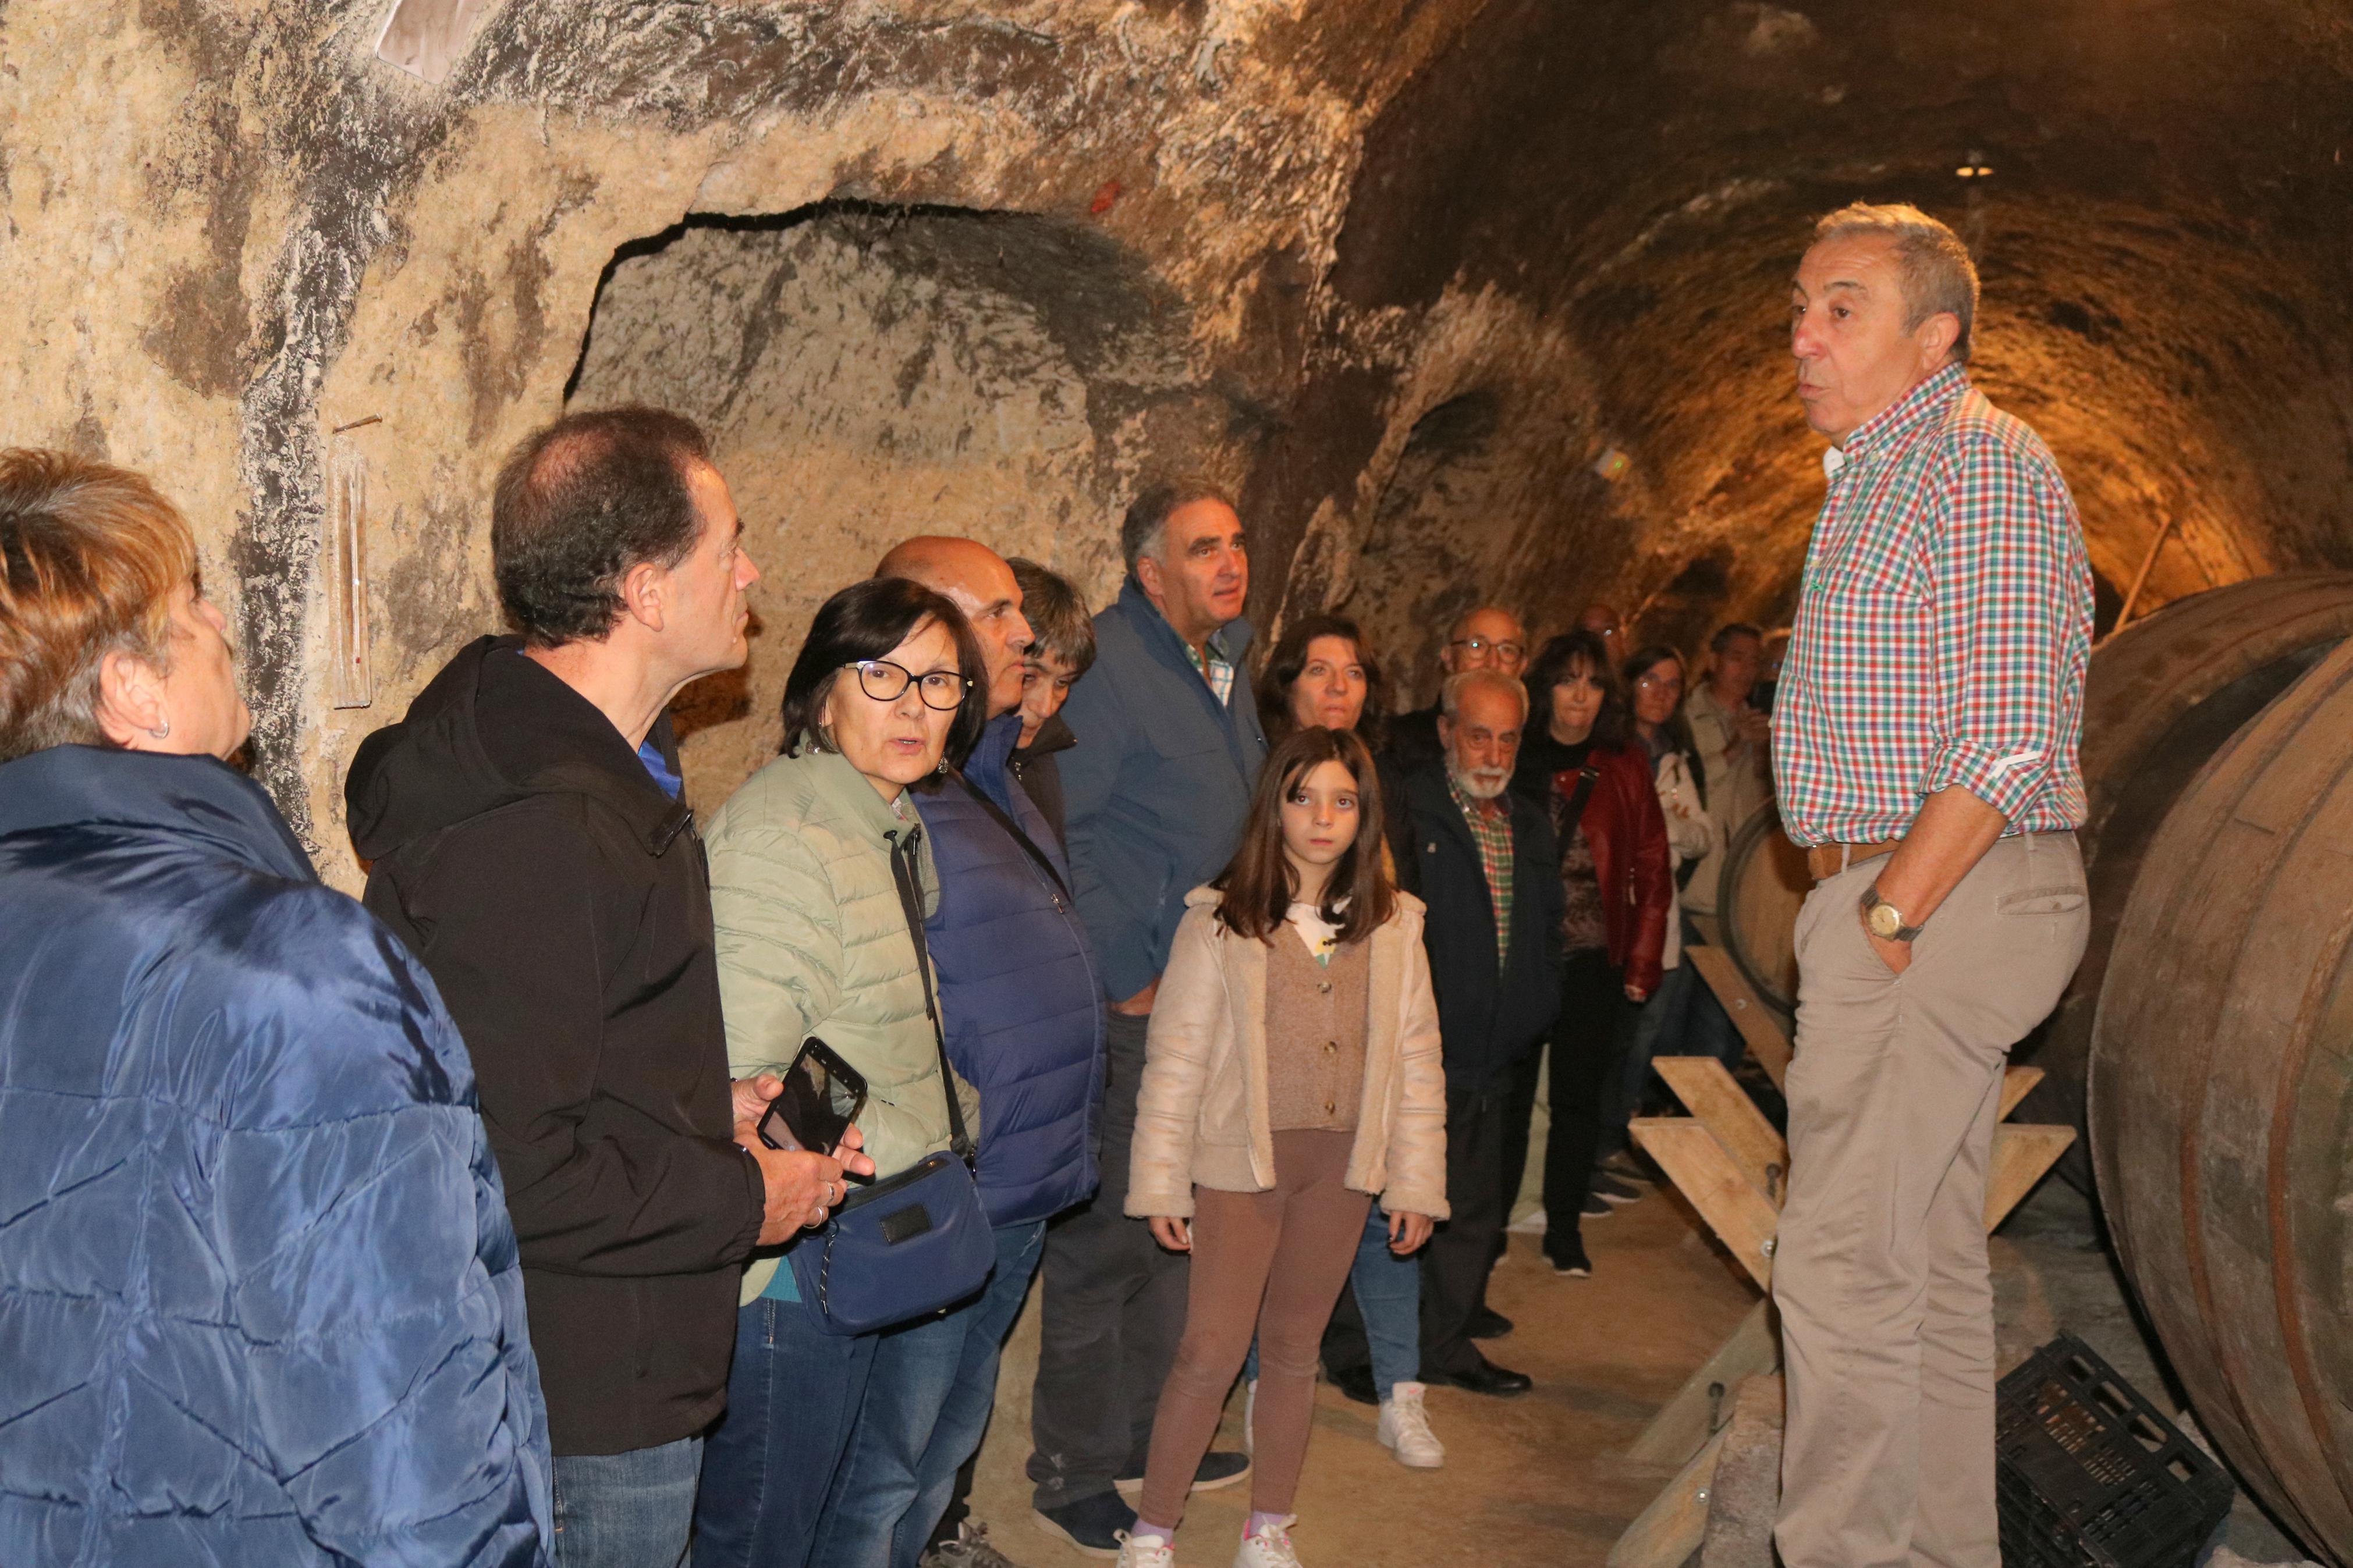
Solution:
(2161, 698)
(2222, 1099)
(1765, 881)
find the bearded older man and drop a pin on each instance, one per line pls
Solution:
(1490, 870)
(1925, 754)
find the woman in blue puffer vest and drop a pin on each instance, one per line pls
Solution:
(259, 1296)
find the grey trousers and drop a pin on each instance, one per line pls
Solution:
(1879, 1269)
(1109, 1317)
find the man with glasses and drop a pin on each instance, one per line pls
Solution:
(1168, 749)
(1488, 637)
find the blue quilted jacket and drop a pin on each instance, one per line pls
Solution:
(260, 1301)
(1018, 992)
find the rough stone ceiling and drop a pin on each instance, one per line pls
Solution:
(1611, 197)
(1433, 259)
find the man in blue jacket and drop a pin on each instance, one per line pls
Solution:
(1168, 749)
(1018, 1000)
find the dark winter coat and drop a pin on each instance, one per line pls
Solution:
(1038, 768)
(260, 1301)
(1489, 1016)
(1018, 992)
(561, 900)
(1157, 785)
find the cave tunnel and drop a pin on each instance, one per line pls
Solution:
(1465, 301)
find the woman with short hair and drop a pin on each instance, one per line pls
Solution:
(806, 863)
(255, 1221)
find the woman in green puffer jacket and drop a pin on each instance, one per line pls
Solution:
(812, 940)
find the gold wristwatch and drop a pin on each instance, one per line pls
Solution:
(1883, 919)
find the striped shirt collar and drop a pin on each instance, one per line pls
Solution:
(1898, 419)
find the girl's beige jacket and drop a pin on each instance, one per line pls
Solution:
(1201, 1109)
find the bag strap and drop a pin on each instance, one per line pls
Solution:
(1586, 777)
(910, 903)
(996, 814)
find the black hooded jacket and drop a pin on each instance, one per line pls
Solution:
(561, 902)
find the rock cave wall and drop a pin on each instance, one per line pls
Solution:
(1407, 271)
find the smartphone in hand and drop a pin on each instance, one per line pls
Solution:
(823, 1094)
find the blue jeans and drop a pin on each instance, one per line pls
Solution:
(634, 1509)
(1388, 1299)
(791, 1401)
(1683, 1019)
(926, 1407)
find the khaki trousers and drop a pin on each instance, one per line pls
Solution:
(1880, 1271)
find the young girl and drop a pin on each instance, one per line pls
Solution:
(1293, 1070)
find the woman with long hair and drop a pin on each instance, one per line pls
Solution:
(1323, 673)
(1654, 684)
(1616, 886)
(807, 860)
(1264, 1128)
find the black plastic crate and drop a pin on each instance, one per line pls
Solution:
(2091, 1475)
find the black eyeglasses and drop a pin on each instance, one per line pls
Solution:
(1476, 644)
(943, 690)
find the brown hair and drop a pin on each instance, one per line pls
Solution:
(90, 555)
(581, 501)
(1285, 664)
(1057, 616)
(1258, 883)
(1564, 659)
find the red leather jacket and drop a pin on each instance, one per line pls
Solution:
(1628, 834)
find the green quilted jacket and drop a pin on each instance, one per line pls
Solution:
(812, 941)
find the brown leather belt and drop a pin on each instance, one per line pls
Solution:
(1827, 860)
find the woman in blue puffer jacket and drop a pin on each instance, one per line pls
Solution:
(259, 1296)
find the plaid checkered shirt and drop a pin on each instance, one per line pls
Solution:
(1217, 669)
(1943, 628)
(1491, 830)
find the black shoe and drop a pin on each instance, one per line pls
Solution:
(1355, 1384)
(1487, 1323)
(1595, 1209)
(1092, 1524)
(1567, 1255)
(1610, 1189)
(1220, 1467)
(1485, 1377)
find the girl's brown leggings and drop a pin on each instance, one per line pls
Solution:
(1273, 1261)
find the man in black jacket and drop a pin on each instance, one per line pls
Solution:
(531, 848)
(1490, 872)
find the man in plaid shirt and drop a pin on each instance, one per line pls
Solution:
(1924, 752)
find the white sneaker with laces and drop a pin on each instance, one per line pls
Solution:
(1270, 1549)
(1145, 1552)
(1404, 1429)
(1249, 1418)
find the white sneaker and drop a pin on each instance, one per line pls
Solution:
(1249, 1418)
(1269, 1550)
(1405, 1427)
(1145, 1552)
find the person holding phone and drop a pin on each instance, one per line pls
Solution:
(813, 940)
(530, 843)
(1265, 1126)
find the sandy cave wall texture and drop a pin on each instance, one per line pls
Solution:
(233, 232)
(1469, 298)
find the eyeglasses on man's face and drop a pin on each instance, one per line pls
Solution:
(943, 690)
(1485, 645)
